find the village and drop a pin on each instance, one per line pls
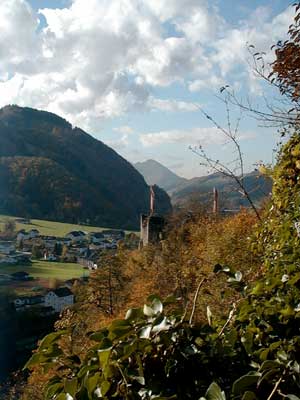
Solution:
(82, 248)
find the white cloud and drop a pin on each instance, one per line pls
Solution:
(19, 43)
(100, 59)
(212, 82)
(119, 144)
(172, 105)
(193, 136)
(125, 130)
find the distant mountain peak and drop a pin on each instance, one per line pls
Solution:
(156, 173)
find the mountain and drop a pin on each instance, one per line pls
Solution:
(50, 170)
(201, 190)
(158, 174)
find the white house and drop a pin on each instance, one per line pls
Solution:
(59, 299)
(24, 302)
(34, 233)
(23, 235)
(76, 236)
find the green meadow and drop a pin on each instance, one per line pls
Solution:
(47, 270)
(50, 228)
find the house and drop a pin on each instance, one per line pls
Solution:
(24, 302)
(114, 234)
(59, 299)
(34, 233)
(76, 236)
(96, 237)
(23, 235)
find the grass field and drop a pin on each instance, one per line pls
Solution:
(45, 274)
(50, 228)
(48, 270)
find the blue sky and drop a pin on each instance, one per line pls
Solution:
(134, 73)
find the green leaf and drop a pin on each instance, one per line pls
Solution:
(214, 392)
(36, 359)
(91, 383)
(249, 396)
(61, 396)
(243, 383)
(292, 397)
(247, 341)
(134, 314)
(51, 338)
(53, 389)
(139, 379)
(71, 386)
(99, 336)
(269, 364)
(105, 386)
(129, 349)
(103, 356)
(169, 300)
(119, 332)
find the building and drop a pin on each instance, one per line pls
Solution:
(96, 237)
(152, 227)
(24, 302)
(76, 236)
(59, 299)
(34, 233)
(113, 234)
(23, 235)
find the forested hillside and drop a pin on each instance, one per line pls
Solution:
(49, 170)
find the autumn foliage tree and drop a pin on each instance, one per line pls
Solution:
(286, 67)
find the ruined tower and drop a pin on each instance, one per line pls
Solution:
(152, 225)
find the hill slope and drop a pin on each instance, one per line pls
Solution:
(201, 190)
(158, 174)
(50, 170)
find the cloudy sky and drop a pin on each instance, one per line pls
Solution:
(134, 73)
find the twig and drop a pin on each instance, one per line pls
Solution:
(195, 300)
(275, 388)
(231, 314)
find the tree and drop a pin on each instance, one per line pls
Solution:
(108, 282)
(36, 252)
(9, 229)
(233, 169)
(58, 249)
(282, 74)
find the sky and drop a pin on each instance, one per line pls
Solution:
(135, 73)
